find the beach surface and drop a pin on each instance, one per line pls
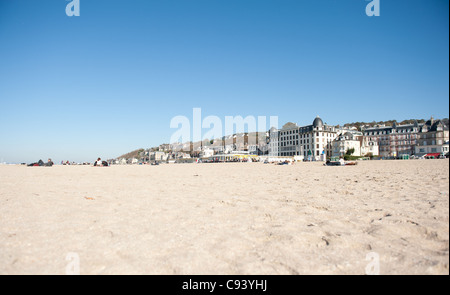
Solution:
(234, 219)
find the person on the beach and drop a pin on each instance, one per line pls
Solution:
(39, 163)
(49, 163)
(98, 162)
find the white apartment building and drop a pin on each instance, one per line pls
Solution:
(206, 152)
(158, 156)
(369, 147)
(345, 142)
(311, 141)
(363, 146)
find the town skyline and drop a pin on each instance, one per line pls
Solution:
(410, 141)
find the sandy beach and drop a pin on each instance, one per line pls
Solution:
(234, 218)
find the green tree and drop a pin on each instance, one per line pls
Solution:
(350, 152)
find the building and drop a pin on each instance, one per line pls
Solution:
(121, 161)
(158, 156)
(446, 148)
(395, 140)
(253, 149)
(361, 145)
(313, 142)
(369, 147)
(345, 142)
(289, 141)
(165, 147)
(433, 138)
(273, 142)
(206, 152)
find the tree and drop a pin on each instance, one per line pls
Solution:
(350, 152)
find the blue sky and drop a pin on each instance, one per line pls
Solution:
(109, 81)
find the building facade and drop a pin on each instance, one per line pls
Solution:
(313, 142)
(362, 145)
(274, 142)
(369, 147)
(345, 142)
(395, 140)
(433, 137)
(411, 139)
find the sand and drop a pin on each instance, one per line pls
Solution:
(232, 218)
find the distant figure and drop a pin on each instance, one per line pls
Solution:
(49, 163)
(98, 163)
(39, 163)
(342, 162)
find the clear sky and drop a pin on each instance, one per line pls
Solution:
(110, 81)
